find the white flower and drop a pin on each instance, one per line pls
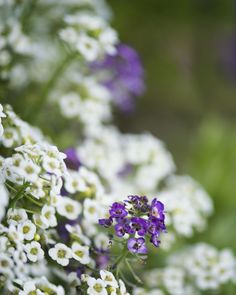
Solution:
(61, 254)
(96, 287)
(34, 251)
(15, 235)
(6, 265)
(76, 231)
(27, 229)
(3, 243)
(122, 288)
(40, 222)
(69, 208)
(2, 115)
(4, 196)
(30, 288)
(80, 253)
(92, 210)
(19, 255)
(108, 278)
(9, 137)
(52, 165)
(74, 182)
(70, 105)
(108, 39)
(48, 216)
(30, 171)
(101, 241)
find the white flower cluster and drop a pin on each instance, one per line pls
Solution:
(111, 153)
(208, 267)
(39, 286)
(39, 166)
(170, 280)
(89, 102)
(89, 34)
(12, 41)
(187, 205)
(105, 285)
(16, 131)
(201, 267)
(138, 164)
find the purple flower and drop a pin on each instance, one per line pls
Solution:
(72, 160)
(139, 225)
(125, 77)
(118, 210)
(156, 225)
(137, 245)
(154, 240)
(136, 217)
(126, 170)
(106, 222)
(120, 229)
(157, 209)
(102, 261)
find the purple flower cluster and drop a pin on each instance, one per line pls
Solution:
(125, 78)
(139, 219)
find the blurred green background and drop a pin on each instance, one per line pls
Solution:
(188, 49)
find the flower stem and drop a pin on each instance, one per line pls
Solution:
(39, 103)
(133, 272)
(19, 194)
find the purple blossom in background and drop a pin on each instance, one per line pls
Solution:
(102, 261)
(139, 219)
(123, 75)
(72, 161)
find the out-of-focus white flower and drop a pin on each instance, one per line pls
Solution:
(2, 115)
(69, 208)
(187, 205)
(4, 196)
(74, 183)
(89, 34)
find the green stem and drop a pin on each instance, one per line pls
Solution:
(121, 257)
(39, 103)
(19, 194)
(33, 200)
(29, 197)
(116, 264)
(133, 272)
(126, 281)
(27, 13)
(30, 211)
